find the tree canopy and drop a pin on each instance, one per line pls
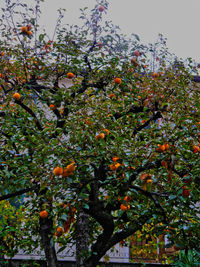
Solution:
(88, 126)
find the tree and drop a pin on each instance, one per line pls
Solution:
(117, 144)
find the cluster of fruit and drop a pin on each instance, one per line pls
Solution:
(67, 171)
(66, 225)
(162, 148)
(102, 135)
(125, 206)
(26, 30)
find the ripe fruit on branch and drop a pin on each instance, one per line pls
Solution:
(134, 62)
(137, 53)
(185, 192)
(71, 167)
(164, 163)
(114, 167)
(166, 146)
(88, 122)
(155, 75)
(16, 96)
(52, 107)
(196, 149)
(145, 177)
(29, 33)
(122, 243)
(58, 171)
(101, 8)
(106, 131)
(59, 231)
(123, 207)
(118, 80)
(131, 168)
(24, 29)
(112, 95)
(115, 159)
(29, 27)
(162, 148)
(43, 214)
(127, 198)
(69, 170)
(70, 75)
(100, 136)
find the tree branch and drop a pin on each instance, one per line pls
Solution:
(103, 246)
(156, 116)
(152, 196)
(133, 109)
(31, 113)
(19, 193)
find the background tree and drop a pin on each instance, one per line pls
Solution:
(86, 126)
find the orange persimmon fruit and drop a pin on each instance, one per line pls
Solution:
(185, 192)
(16, 96)
(123, 207)
(70, 75)
(29, 27)
(101, 8)
(155, 75)
(114, 167)
(52, 107)
(29, 33)
(112, 95)
(58, 171)
(106, 131)
(100, 136)
(196, 148)
(118, 81)
(115, 159)
(59, 231)
(43, 214)
(127, 198)
(137, 53)
(24, 29)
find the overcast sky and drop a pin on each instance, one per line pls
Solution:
(177, 20)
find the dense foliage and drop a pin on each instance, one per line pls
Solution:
(86, 126)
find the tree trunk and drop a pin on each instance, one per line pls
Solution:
(92, 262)
(46, 226)
(82, 233)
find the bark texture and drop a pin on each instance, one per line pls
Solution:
(82, 233)
(46, 226)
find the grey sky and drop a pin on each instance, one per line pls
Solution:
(177, 20)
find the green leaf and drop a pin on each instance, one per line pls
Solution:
(41, 37)
(61, 249)
(64, 217)
(171, 197)
(86, 206)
